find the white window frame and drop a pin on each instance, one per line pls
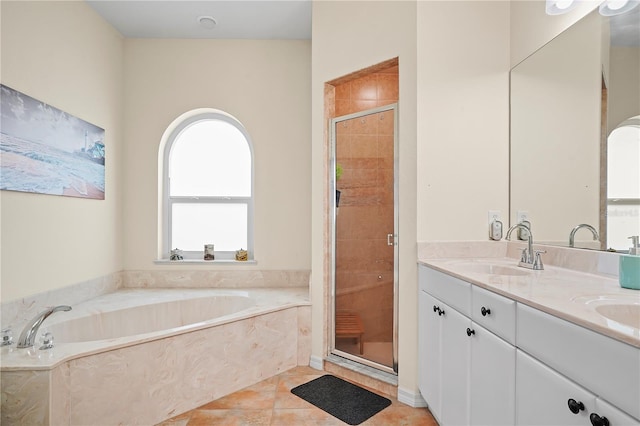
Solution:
(167, 201)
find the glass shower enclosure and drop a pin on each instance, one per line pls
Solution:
(364, 234)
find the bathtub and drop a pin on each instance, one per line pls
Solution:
(140, 356)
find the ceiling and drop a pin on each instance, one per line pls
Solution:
(252, 19)
(625, 29)
(235, 19)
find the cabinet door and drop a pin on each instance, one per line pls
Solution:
(456, 348)
(542, 396)
(429, 353)
(613, 415)
(493, 381)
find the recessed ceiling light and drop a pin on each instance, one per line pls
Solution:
(558, 7)
(207, 22)
(617, 7)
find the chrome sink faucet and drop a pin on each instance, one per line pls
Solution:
(572, 236)
(529, 259)
(28, 335)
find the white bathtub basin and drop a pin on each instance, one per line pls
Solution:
(142, 319)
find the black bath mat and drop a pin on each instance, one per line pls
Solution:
(348, 402)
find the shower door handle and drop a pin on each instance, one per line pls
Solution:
(391, 240)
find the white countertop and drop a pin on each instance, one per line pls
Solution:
(565, 293)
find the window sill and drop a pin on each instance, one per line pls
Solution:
(205, 262)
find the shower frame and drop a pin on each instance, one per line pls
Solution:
(333, 216)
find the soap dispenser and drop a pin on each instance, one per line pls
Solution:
(629, 273)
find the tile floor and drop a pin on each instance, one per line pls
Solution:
(270, 402)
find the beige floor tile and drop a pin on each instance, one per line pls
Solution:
(287, 383)
(270, 402)
(234, 417)
(245, 398)
(303, 416)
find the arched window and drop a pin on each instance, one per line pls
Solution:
(207, 186)
(623, 183)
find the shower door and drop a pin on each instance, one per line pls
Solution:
(364, 231)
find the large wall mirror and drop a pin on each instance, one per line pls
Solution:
(575, 135)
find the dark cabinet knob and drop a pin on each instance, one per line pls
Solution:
(575, 406)
(484, 311)
(435, 308)
(596, 420)
(440, 311)
(470, 332)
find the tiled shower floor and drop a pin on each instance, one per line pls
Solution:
(271, 402)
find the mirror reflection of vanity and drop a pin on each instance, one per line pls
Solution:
(568, 101)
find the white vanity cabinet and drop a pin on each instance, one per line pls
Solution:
(485, 359)
(467, 374)
(429, 350)
(543, 395)
(492, 384)
(444, 350)
(607, 368)
(546, 398)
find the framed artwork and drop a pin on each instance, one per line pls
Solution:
(47, 151)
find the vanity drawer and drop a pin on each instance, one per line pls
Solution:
(607, 367)
(496, 313)
(450, 290)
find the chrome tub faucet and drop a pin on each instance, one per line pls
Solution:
(529, 259)
(28, 335)
(572, 236)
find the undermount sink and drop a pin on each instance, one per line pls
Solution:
(627, 314)
(491, 269)
(621, 308)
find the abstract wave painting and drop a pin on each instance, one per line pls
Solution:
(48, 151)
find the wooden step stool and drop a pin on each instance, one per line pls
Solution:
(349, 324)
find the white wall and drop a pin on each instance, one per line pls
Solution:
(64, 54)
(532, 28)
(349, 36)
(266, 86)
(463, 118)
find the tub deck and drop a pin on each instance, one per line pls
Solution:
(266, 300)
(151, 377)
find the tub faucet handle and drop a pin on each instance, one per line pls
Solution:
(47, 342)
(7, 337)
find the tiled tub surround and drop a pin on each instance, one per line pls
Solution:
(572, 283)
(158, 374)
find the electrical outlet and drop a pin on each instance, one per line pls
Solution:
(522, 215)
(494, 215)
(495, 225)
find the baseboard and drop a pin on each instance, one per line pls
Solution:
(413, 399)
(316, 362)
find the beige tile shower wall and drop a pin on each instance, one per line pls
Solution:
(365, 150)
